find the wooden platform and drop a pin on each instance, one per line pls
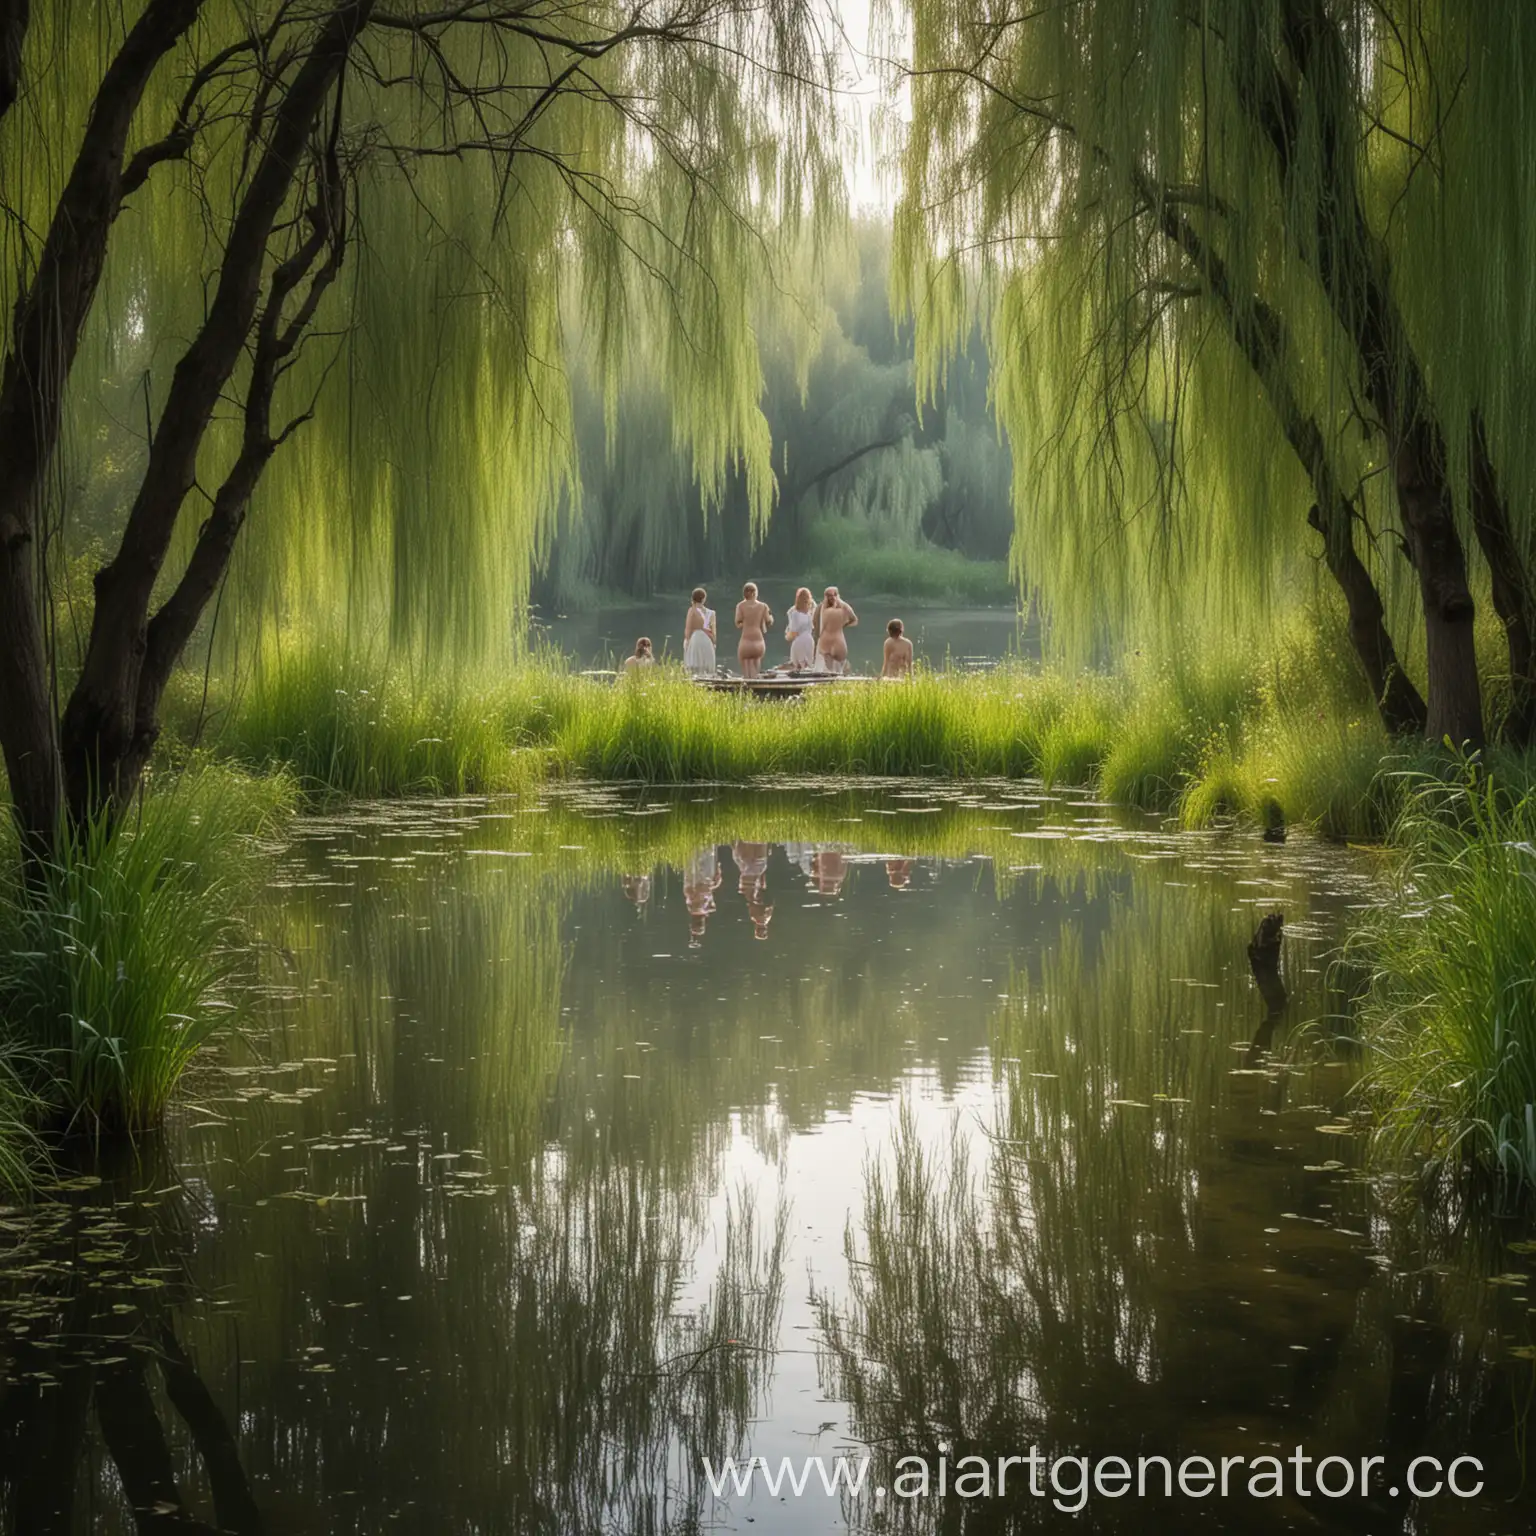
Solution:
(787, 685)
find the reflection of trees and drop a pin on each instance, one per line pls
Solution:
(97, 1376)
(463, 1305)
(1156, 1258)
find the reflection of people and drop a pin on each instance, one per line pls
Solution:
(701, 879)
(799, 630)
(752, 867)
(753, 619)
(832, 618)
(699, 636)
(898, 652)
(899, 873)
(802, 856)
(642, 656)
(637, 888)
(831, 869)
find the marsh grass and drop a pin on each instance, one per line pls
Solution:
(116, 961)
(1449, 1013)
(344, 727)
(1285, 740)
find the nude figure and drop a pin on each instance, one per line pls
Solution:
(752, 863)
(833, 616)
(897, 660)
(831, 869)
(701, 879)
(753, 619)
(642, 656)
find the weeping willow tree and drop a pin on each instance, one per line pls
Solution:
(1256, 280)
(851, 448)
(300, 264)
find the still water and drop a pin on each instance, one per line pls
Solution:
(576, 1139)
(967, 639)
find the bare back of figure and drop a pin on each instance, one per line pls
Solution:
(753, 619)
(833, 617)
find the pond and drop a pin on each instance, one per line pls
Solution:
(579, 1138)
(968, 639)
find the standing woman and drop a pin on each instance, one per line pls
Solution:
(832, 618)
(802, 642)
(753, 620)
(699, 637)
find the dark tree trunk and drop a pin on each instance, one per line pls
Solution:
(14, 16)
(234, 1508)
(109, 729)
(1434, 547)
(45, 337)
(1513, 599)
(26, 710)
(1398, 702)
(1352, 266)
(1259, 334)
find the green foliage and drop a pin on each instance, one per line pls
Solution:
(871, 489)
(653, 183)
(851, 553)
(1450, 1011)
(117, 956)
(1126, 194)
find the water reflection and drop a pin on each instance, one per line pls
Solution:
(98, 1376)
(566, 1159)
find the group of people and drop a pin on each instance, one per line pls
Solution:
(825, 867)
(817, 635)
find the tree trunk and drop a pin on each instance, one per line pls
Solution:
(14, 16)
(1398, 702)
(1513, 599)
(1259, 334)
(26, 710)
(1434, 547)
(1352, 266)
(105, 736)
(45, 337)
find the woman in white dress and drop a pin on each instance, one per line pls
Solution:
(802, 641)
(699, 637)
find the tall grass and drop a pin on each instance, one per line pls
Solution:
(116, 961)
(1450, 1011)
(1281, 739)
(342, 726)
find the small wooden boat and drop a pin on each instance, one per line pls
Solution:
(778, 685)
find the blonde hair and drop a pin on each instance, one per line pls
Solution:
(810, 602)
(750, 590)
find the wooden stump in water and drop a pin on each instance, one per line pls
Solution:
(1264, 961)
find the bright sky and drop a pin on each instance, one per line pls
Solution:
(867, 186)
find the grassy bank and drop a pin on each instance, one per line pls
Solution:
(1288, 741)
(1450, 1012)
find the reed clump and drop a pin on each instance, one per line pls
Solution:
(1449, 1013)
(118, 954)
